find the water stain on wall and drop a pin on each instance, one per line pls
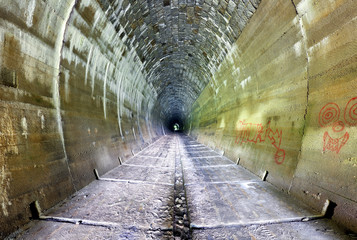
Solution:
(12, 62)
(8, 145)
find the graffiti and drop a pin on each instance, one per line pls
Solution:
(329, 117)
(330, 113)
(351, 112)
(257, 133)
(335, 144)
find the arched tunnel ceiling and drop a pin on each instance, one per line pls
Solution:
(180, 42)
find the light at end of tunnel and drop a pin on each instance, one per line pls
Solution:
(174, 124)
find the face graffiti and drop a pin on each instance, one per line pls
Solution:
(330, 117)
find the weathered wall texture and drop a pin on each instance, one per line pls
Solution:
(81, 86)
(285, 101)
(73, 97)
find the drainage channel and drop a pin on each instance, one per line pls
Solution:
(181, 223)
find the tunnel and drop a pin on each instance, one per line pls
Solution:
(226, 97)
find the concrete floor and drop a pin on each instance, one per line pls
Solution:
(179, 189)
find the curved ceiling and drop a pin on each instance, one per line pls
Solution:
(180, 42)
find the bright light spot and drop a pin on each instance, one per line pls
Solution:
(176, 127)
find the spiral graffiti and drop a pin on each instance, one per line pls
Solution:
(351, 112)
(329, 114)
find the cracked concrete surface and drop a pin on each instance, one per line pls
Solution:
(137, 201)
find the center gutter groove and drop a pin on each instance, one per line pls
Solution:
(181, 224)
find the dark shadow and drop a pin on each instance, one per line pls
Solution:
(330, 210)
(35, 211)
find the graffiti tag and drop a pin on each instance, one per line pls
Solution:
(256, 133)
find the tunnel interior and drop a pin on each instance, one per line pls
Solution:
(88, 84)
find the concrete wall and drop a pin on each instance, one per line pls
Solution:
(73, 97)
(284, 100)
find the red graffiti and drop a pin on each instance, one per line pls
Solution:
(329, 114)
(330, 117)
(351, 112)
(256, 133)
(335, 144)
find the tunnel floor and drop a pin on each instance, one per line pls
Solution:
(178, 188)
